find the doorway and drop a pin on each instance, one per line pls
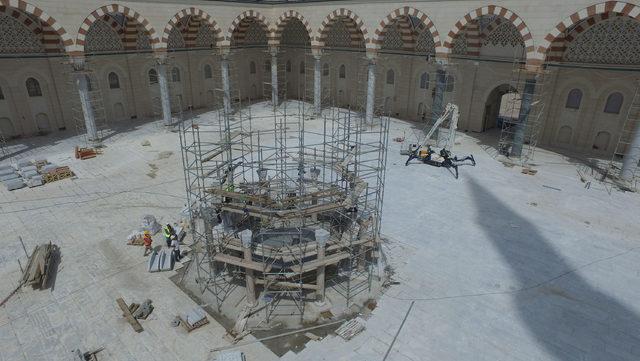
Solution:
(500, 104)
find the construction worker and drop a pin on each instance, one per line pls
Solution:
(147, 242)
(168, 233)
(175, 244)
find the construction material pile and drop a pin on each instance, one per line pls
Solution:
(40, 266)
(32, 173)
(86, 153)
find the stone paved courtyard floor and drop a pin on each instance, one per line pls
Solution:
(496, 265)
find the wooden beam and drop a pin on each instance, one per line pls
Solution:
(128, 316)
(284, 284)
(240, 262)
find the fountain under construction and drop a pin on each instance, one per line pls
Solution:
(285, 209)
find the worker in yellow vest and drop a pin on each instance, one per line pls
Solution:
(168, 233)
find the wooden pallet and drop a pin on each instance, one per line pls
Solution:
(190, 328)
(86, 153)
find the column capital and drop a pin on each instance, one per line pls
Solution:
(372, 54)
(316, 53)
(78, 62)
(160, 58)
(224, 51)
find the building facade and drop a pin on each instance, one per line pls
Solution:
(589, 54)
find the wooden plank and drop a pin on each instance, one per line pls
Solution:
(128, 316)
(221, 257)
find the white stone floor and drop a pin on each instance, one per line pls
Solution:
(497, 266)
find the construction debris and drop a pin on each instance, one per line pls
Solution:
(529, 171)
(87, 356)
(40, 266)
(351, 328)
(141, 311)
(86, 153)
(126, 313)
(194, 319)
(230, 356)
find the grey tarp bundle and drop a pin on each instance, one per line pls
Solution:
(149, 223)
(160, 261)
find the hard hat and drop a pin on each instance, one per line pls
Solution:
(146, 233)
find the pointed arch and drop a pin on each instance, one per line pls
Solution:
(239, 26)
(500, 11)
(406, 11)
(574, 20)
(50, 26)
(195, 18)
(117, 9)
(284, 19)
(343, 13)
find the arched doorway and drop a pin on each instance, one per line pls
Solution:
(7, 129)
(499, 104)
(42, 123)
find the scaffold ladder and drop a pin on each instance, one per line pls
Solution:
(624, 144)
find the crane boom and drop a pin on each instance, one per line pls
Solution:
(450, 111)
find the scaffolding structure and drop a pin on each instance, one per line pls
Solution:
(518, 138)
(284, 211)
(624, 146)
(95, 98)
(3, 145)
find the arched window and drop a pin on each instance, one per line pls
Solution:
(424, 81)
(175, 75)
(325, 69)
(89, 83)
(574, 99)
(302, 67)
(288, 66)
(153, 76)
(114, 81)
(614, 103)
(342, 73)
(33, 88)
(252, 67)
(391, 77)
(267, 65)
(450, 81)
(208, 74)
(1, 94)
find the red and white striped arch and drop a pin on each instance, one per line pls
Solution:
(195, 18)
(52, 31)
(397, 14)
(490, 10)
(619, 7)
(119, 9)
(284, 19)
(239, 26)
(357, 30)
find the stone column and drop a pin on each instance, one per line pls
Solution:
(163, 83)
(226, 86)
(322, 237)
(371, 87)
(441, 86)
(274, 75)
(631, 159)
(525, 108)
(80, 78)
(317, 83)
(250, 282)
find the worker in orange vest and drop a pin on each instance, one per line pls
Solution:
(147, 242)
